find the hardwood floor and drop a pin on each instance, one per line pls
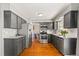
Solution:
(38, 49)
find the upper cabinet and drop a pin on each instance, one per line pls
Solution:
(19, 23)
(56, 25)
(10, 20)
(70, 19)
(53, 25)
(23, 21)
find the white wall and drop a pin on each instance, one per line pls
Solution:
(40, 20)
(72, 33)
(15, 8)
(9, 32)
(36, 27)
(2, 8)
(0, 31)
(72, 6)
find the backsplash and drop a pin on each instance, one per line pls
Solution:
(9, 32)
(72, 33)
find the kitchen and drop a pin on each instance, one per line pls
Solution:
(16, 30)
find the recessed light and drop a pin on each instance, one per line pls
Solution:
(40, 14)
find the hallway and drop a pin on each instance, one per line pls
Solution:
(38, 49)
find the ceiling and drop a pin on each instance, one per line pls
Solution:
(31, 10)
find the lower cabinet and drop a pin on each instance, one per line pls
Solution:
(18, 46)
(24, 43)
(60, 44)
(9, 47)
(67, 46)
(30, 40)
(49, 38)
(13, 47)
(70, 46)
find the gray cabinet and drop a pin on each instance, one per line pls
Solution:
(18, 46)
(24, 42)
(56, 25)
(70, 19)
(53, 25)
(13, 47)
(23, 21)
(19, 23)
(66, 46)
(49, 38)
(10, 20)
(30, 40)
(61, 44)
(70, 46)
(8, 48)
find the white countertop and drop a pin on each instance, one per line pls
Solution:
(13, 37)
(64, 37)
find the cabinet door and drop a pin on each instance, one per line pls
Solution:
(16, 46)
(19, 46)
(23, 21)
(70, 19)
(19, 23)
(53, 25)
(61, 45)
(13, 21)
(73, 20)
(25, 42)
(57, 42)
(22, 43)
(7, 19)
(53, 39)
(56, 25)
(49, 38)
(67, 20)
(8, 47)
(70, 46)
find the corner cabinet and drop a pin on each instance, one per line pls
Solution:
(70, 19)
(10, 20)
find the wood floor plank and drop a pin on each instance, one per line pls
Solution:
(38, 49)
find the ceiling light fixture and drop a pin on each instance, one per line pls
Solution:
(40, 14)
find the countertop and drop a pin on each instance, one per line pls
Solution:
(64, 37)
(14, 37)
